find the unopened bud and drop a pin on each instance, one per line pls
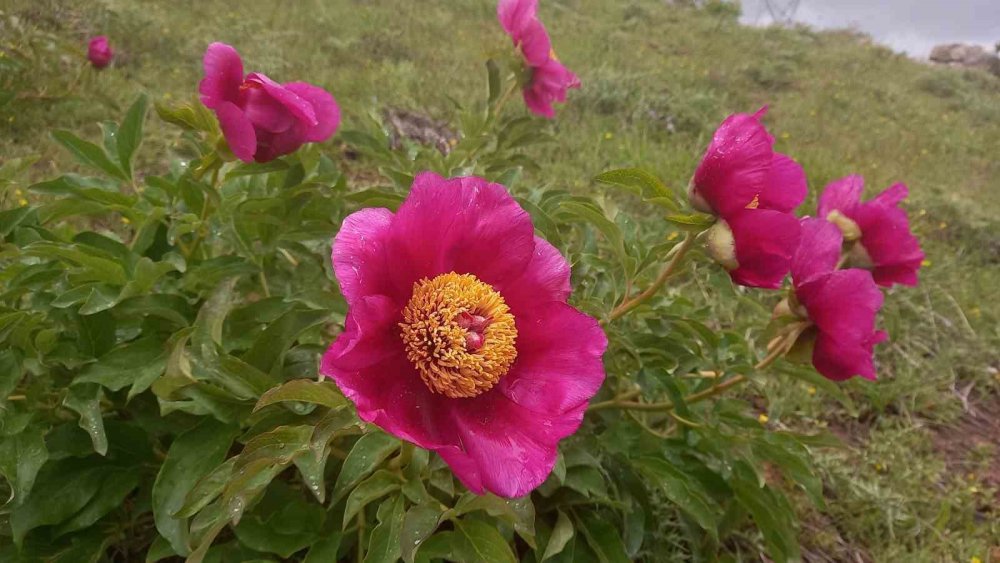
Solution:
(721, 245)
(847, 226)
(697, 200)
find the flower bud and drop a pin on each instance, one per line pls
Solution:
(847, 226)
(721, 245)
(99, 52)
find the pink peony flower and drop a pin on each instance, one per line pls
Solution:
(99, 52)
(886, 246)
(550, 79)
(842, 304)
(753, 191)
(260, 118)
(458, 336)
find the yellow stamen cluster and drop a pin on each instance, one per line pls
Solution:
(452, 360)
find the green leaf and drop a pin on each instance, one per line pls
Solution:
(137, 363)
(88, 153)
(21, 457)
(770, 510)
(603, 538)
(10, 373)
(419, 523)
(383, 547)
(483, 542)
(269, 348)
(493, 78)
(194, 117)
(518, 512)
(207, 489)
(284, 522)
(191, 456)
(97, 266)
(682, 489)
(595, 216)
(322, 393)
(641, 183)
(324, 550)
(693, 221)
(116, 486)
(380, 483)
(366, 455)
(561, 534)
(85, 399)
(62, 489)
(130, 133)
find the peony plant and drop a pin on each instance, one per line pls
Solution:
(254, 354)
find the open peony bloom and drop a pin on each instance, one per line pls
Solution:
(877, 230)
(550, 79)
(260, 118)
(753, 191)
(458, 336)
(841, 304)
(99, 51)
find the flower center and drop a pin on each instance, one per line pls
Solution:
(459, 334)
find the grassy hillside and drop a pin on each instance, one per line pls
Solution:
(920, 476)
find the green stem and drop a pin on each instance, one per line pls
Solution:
(671, 267)
(498, 109)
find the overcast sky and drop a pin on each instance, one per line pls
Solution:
(911, 26)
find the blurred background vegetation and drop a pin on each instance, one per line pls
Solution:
(920, 477)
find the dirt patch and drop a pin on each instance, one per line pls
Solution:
(972, 444)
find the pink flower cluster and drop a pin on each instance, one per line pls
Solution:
(260, 118)
(549, 79)
(753, 191)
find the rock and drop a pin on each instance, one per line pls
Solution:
(966, 56)
(418, 127)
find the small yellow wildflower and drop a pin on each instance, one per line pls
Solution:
(973, 490)
(673, 235)
(879, 467)
(812, 113)
(22, 202)
(975, 560)
(786, 135)
(923, 152)
(926, 263)
(609, 135)
(922, 212)
(126, 220)
(18, 192)
(811, 390)
(942, 225)
(763, 418)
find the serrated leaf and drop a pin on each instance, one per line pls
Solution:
(384, 545)
(322, 393)
(130, 134)
(88, 153)
(191, 456)
(367, 454)
(683, 490)
(376, 486)
(603, 538)
(560, 536)
(21, 457)
(85, 399)
(693, 221)
(483, 542)
(419, 523)
(642, 183)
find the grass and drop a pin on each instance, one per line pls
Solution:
(656, 81)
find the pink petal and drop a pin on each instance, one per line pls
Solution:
(545, 279)
(223, 75)
(736, 166)
(843, 195)
(840, 361)
(894, 250)
(818, 251)
(300, 108)
(843, 304)
(324, 106)
(558, 367)
(459, 225)
(535, 44)
(514, 15)
(892, 196)
(549, 83)
(238, 131)
(508, 450)
(265, 112)
(359, 255)
(786, 186)
(765, 242)
(273, 145)
(368, 363)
